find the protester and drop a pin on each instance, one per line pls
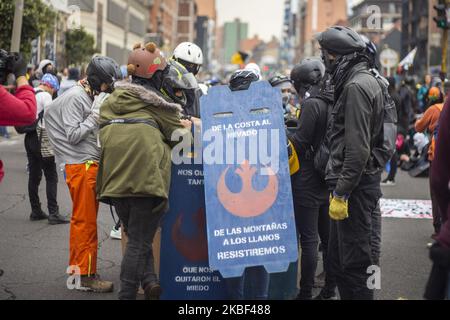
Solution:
(439, 282)
(285, 85)
(310, 192)
(72, 121)
(137, 123)
(429, 122)
(401, 134)
(353, 175)
(40, 156)
(45, 66)
(18, 109)
(422, 94)
(190, 56)
(71, 81)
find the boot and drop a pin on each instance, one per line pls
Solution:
(38, 215)
(95, 284)
(152, 291)
(56, 218)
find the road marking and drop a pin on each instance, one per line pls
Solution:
(412, 209)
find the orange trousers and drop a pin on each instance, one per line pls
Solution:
(81, 179)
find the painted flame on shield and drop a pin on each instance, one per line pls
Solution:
(248, 202)
(194, 248)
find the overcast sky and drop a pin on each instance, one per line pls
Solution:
(265, 17)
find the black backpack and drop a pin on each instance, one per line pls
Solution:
(385, 145)
(322, 153)
(31, 127)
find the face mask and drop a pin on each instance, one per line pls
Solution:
(286, 98)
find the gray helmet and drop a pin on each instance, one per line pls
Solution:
(308, 73)
(341, 41)
(102, 70)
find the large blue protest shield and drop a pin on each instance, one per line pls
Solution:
(184, 268)
(250, 214)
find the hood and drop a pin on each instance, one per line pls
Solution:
(129, 97)
(43, 64)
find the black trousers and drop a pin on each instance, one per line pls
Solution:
(437, 217)
(36, 165)
(140, 223)
(394, 167)
(307, 221)
(351, 249)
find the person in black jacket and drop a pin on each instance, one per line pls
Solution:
(353, 174)
(310, 192)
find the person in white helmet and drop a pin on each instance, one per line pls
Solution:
(190, 56)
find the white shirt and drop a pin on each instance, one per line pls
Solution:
(43, 100)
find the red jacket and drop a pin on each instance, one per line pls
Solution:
(18, 110)
(440, 173)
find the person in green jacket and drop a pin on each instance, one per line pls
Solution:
(136, 125)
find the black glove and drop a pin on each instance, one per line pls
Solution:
(19, 65)
(440, 255)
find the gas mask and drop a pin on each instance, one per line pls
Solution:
(286, 98)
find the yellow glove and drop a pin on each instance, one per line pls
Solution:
(338, 208)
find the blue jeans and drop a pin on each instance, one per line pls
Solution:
(258, 278)
(4, 132)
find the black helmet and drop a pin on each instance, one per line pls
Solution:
(175, 81)
(279, 79)
(241, 79)
(308, 73)
(102, 70)
(341, 41)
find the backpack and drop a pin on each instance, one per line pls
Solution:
(31, 127)
(385, 144)
(322, 153)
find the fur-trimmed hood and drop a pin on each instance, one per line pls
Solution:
(129, 97)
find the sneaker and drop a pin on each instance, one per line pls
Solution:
(95, 284)
(319, 281)
(152, 291)
(54, 219)
(116, 234)
(37, 216)
(323, 296)
(388, 183)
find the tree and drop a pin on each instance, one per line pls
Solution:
(38, 19)
(80, 46)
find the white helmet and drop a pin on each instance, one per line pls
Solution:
(190, 55)
(255, 68)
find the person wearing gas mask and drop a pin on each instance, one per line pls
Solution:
(310, 192)
(190, 56)
(72, 122)
(137, 122)
(285, 85)
(353, 174)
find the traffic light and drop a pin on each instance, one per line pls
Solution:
(443, 15)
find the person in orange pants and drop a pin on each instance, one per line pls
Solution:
(81, 179)
(72, 123)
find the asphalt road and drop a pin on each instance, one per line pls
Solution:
(34, 255)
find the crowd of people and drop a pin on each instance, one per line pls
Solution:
(111, 131)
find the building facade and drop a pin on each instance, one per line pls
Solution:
(420, 31)
(316, 16)
(206, 26)
(187, 16)
(163, 24)
(375, 17)
(116, 25)
(233, 33)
